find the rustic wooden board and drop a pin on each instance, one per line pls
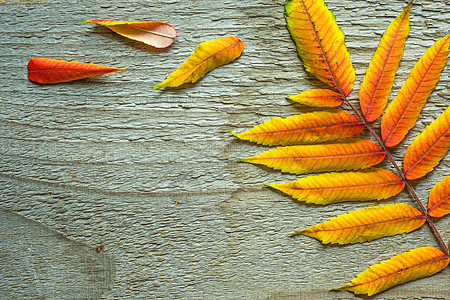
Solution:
(152, 178)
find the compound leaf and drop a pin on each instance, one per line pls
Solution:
(320, 43)
(309, 128)
(408, 266)
(364, 185)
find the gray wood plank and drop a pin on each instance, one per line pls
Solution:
(153, 175)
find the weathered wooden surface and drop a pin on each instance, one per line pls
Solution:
(153, 176)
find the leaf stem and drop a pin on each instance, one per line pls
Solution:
(402, 176)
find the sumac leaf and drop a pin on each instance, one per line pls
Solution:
(439, 199)
(318, 98)
(351, 154)
(206, 57)
(408, 266)
(309, 128)
(364, 185)
(47, 70)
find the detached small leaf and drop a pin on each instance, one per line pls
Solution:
(364, 185)
(206, 57)
(428, 148)
(318, 98)
(351, 154)
(439, 199)
(402, 113)
(408, 266)
(367, 224)
(309, 128)
(47, 70)
(154, 33)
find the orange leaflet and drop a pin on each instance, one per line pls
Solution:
(318, 98)
(428, 148)
(47, 70)
(153, 33)
(439, 199)
(408, 266)
(206, 57)
(351, 154)
(403, 112)
(367, 224)
(309, 128)
(320, 43)
(364, 185)
(380, 75)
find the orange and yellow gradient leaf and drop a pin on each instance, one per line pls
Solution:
(439, 199)
(408, 266)
(153, 33)
(428, 148)
(364, 185)
(320, 43)
(318, 98)
(206, 57)
(351, 154)
(380, 75)
(367, 224)
(309, 128)
(403, 112)
(47, 70)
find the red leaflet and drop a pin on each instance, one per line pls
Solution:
(153, 33)
(47, 70)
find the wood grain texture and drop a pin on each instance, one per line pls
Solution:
(153, 175)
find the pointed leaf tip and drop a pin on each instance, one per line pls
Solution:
(405, 267)
(403, 112)
(47, 70)
(380, 75)
(318, 98)
(154, 33)
(206, 57)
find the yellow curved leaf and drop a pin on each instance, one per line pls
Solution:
(153, 33)
(364, 185)
(206, 57)
(403, 112)
(351, 154)
(408, 266)
(439, 199)
(380, 75)
(428, 148)
(367, 224)
(320, 43)
(318, 98)
(309, 128)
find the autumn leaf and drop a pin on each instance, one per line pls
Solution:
(439, 199)
(408, 266)
(309, 128)
(403, 112)
(153, 33)
(351, 154)
(318, 98)
(428, 148)
(364, 185)
(206, 57)
(320, 43)
(367, 224)
(47, 70)
(380, 75)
